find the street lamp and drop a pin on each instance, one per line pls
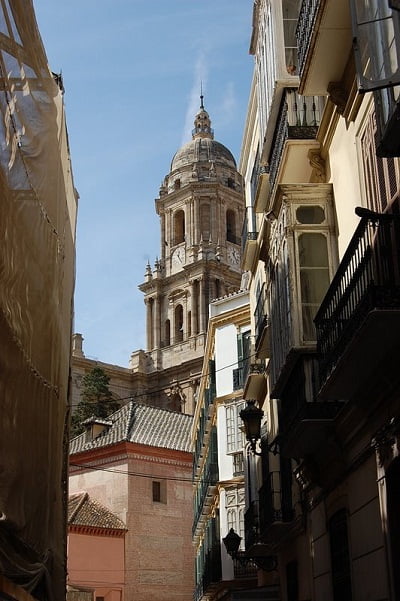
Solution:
(261, 560)
(251, 417)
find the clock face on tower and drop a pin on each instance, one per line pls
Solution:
(178, 257)
(233, 255)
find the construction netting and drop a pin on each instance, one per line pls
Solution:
(37, 240)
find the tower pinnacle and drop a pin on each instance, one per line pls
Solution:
(202, 121)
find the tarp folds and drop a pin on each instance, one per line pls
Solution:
(37, 255)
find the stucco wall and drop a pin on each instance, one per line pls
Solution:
(97, 562)
(159, 558)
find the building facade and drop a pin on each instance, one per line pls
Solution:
(96, 550)
(322, 189)
(138, 464)
(219, 459)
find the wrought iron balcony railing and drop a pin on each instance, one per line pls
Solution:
(368, 278)
(251, 525)
(275, 505)
(298, 119)
(249, 230)
(305, 28)
(208, 480)
(211, 572)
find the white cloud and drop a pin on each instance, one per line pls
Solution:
(228, 107)
(199, 82)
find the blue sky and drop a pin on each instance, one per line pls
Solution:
(132, 72)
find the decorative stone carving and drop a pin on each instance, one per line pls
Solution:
(318, 164)
(176, 396)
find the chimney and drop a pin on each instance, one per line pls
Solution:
(77, 342)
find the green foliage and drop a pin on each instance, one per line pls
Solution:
(96, 400)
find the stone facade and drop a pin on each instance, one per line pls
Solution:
(146, 482)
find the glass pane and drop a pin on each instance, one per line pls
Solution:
(290, 9)
(309, 313)
(378, 49)
(314, 284)
(368, 10)
(310, 215)
(313, 251)
(289, 32)
(377, 53)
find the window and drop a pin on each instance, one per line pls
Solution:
(178, 323)
(167, 332)
(340, 557)
(205, 221)
(376, 31)
(235, 511)
(159, 491)
(238, 464)
(234, 435)
(381, 176)
(156, 492)
(310, 214)
(179, 227)
(314, 278)
(231, 226)
(290, 10)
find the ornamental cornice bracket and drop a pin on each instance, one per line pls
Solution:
(317, 164)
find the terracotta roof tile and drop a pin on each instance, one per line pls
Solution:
(141, 424)
(83, 510)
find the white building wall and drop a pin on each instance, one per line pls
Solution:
(346, 175)
(225, 358)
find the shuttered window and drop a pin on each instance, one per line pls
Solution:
(381, 176)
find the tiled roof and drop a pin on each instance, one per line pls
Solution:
(141, 424)
(86, 511)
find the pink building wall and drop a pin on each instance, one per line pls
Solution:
(97, 562)
(159, 558)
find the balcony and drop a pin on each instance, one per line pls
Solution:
(277, 517)
(298, 121)
(323, 25)
(255, 383)
(262, 326)
(205, 493)
(251, 525)
(249, 239)
(358, 323)
(305, 424)
(211, 573)
(262, 191)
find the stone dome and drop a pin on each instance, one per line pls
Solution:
(203, 150)
(203, 147)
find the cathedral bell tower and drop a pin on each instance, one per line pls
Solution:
(201, 208)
